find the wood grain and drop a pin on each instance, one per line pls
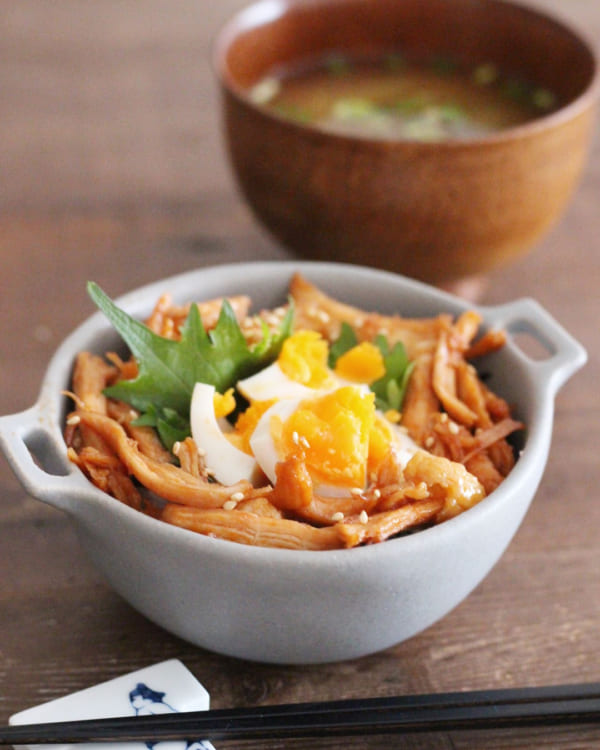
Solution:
(114, 170)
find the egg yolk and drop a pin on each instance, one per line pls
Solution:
(331, 434)
(303, 358)
(380, 439)
(361, 364)
(246, 424)
(223, 403)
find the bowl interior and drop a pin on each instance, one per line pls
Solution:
(517, 39)
(508, 371)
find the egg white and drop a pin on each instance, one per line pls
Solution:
(227, 463)
(261, 441)
(403, 446)
(270, 383)
(273, 383)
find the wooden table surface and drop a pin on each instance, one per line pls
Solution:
(113, 170)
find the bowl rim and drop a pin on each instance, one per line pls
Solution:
(52, 400)
(269, 10)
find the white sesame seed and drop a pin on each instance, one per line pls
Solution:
(339, 516)
(356, 491)
(229, 505)
(429, 441)
(295, 438)
(304, 442)
(74, 419)
(363, 518)
(237, 496)
(323, 316)
(376, 493)
(176, 448)
(453, 428)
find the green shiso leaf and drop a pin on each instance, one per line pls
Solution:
(169, 369)
(390, 389)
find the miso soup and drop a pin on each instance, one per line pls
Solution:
(392, 98)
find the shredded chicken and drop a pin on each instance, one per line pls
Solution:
(460, 424)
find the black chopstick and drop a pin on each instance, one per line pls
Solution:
(514, 707)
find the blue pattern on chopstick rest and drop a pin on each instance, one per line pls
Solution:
(147, 702)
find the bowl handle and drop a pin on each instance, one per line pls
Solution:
(38, 461)
(564, 355)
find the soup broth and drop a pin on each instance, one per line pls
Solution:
(391, 98)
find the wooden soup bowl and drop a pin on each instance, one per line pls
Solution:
(437, 211)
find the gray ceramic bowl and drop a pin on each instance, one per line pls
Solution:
(285, 606)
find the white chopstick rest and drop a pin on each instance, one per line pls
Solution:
(166, 687)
